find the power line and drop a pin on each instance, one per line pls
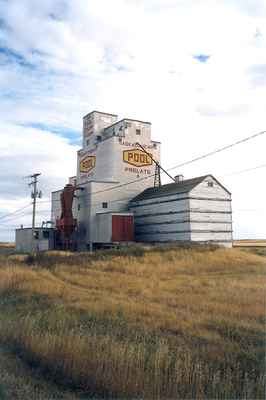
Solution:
(14, 212)
(10, 227)
(171, 168)
(125, 184)
(14, 218)
(128, 198)
(184, 163)
(122, 199)
(152, 175)
(246, 170)
(229, 146)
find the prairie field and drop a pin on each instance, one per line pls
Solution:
(162, 323)
(250, 243)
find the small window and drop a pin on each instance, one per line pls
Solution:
(46, 234)
(78, 207)
(88, 142)
(105, 205)
(138, 132)
(210, 184)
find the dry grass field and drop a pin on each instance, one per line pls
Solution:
(184, 323)
(250, 243)
(8, 245)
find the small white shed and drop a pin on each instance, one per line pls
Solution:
(197, 210)
(42, 239)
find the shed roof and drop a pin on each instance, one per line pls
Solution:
(184, 186)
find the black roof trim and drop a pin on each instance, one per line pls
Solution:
(100, 112)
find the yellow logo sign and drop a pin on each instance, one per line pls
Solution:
(87, 164)
(136, 157)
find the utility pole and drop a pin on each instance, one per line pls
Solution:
(34, 195)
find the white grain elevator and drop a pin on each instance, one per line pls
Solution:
(110, 158)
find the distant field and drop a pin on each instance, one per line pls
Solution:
(7, 248)
(7, 245)
(250, 243)
(154, 324)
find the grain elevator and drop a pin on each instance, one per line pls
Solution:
(111, 170)
(115, 197)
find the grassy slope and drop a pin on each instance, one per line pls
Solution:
(183, 323)
(19, 382)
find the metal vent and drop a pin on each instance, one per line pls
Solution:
(179, 178)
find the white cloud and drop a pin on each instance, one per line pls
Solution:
(135, 58)
(25, 151)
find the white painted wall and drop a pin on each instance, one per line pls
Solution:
(93, 125)
(159, 219)
(103, 228)
(24, 240)
(109, 164)
(211, 208)
(203, 214)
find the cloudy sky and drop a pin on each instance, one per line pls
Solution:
(195, 68)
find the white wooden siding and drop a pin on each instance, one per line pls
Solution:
(160, 205)
(211, 206)
(163, 237)
(198, 204)
(215, 191)
(203, 214)
(155, 228)
(211, 236)
(161, 219)
(208, 215)
(211, 226)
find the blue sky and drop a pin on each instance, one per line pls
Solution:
(182, 65)
(203, 58)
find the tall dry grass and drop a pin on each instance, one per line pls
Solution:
(179, 323)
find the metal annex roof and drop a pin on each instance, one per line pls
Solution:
(184, 186)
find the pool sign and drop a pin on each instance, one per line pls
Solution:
(137, 157)
(87, 164)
